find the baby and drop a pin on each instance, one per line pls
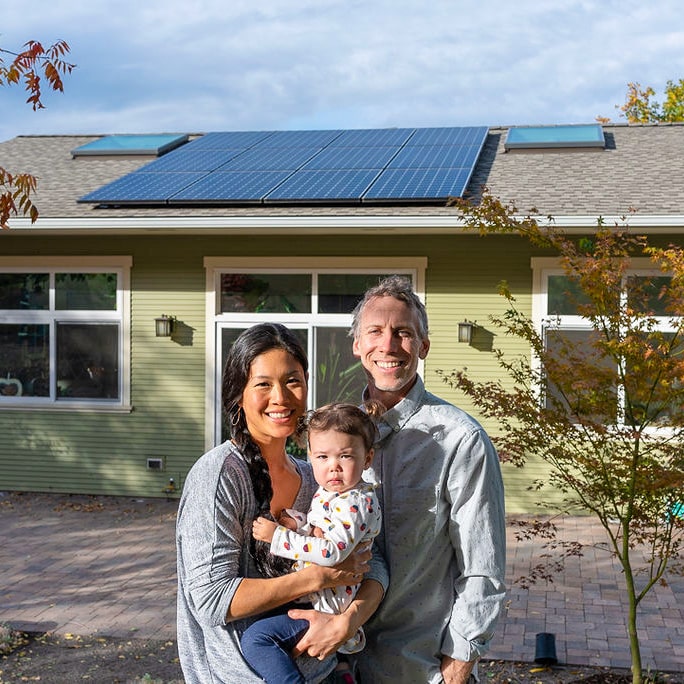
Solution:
(344, 513)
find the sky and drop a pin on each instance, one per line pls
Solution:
(166, 66)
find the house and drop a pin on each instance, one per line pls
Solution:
(94, 400)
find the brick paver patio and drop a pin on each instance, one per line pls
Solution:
(106, 565)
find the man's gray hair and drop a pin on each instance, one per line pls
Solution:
(399, 287)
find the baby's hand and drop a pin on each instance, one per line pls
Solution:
(287, 521)
(263, 529)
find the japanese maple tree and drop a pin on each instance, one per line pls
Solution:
(607, 418)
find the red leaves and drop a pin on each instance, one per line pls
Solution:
(34, 64)
(15, 192)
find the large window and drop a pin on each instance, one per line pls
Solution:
(557, 304)
(316, 302)
(62, 332)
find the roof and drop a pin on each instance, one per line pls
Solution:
(642, 167)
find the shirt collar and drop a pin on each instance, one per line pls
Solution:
(396, 417)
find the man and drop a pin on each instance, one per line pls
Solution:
(441, 492)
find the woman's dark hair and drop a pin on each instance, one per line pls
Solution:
(253, 342)
(349, 419)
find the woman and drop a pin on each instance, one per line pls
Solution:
(225, 578)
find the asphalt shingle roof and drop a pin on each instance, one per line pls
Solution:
(642, 167)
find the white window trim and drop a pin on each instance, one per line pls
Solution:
(542, 267)
(85, 264)
(414, 266)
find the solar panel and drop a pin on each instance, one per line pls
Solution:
(301, 138)
(271, 159)
(139, 188)
(352, 158)
(467, 135)
(418, 184)
(230, 186)
(435, 157)
(353, 166)
(321, 186)
(230, 140)
(373, 137)
(190, 160)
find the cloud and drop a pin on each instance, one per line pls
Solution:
(210, 65)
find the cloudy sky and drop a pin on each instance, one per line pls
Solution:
(207, 65)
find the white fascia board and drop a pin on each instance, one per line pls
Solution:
(314, 225)
(247, 225)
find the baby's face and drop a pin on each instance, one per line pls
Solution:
(338, 459)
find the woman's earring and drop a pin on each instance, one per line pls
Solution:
(235, 418)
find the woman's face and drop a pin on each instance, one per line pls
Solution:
(274, 397)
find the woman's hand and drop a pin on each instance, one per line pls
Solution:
(350, 571)
(263, 529)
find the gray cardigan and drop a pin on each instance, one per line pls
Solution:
(212, 541)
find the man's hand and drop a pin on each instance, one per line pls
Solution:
(456, 671)
(325, 635)
(263, 529)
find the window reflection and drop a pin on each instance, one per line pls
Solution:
(24, 291)
(266, 293)
(87, 365)
(24, 361)
(85, 291)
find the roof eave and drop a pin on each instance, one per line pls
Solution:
(312, 225)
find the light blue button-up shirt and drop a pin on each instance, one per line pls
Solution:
(443, 539)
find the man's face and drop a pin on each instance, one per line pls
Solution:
(389, 346)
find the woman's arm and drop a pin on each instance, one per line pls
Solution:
(255, 596)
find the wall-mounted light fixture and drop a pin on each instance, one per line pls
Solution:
(465, 331)
(163, 326)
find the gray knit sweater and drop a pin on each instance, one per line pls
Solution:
(212, 541)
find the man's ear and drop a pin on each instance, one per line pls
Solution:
(355, 348)
(424, 348)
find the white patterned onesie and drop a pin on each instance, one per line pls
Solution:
(346, 520)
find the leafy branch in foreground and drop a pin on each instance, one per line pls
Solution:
(33, 65)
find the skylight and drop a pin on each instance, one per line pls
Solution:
(538, 137)
(152, 144)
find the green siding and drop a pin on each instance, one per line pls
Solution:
(106, 453)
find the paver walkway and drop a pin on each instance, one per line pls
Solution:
(106, 565)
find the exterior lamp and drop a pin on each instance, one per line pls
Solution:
(163, 326)
(465, 331)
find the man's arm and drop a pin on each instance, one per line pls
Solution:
(477, 528)
(456, 671)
